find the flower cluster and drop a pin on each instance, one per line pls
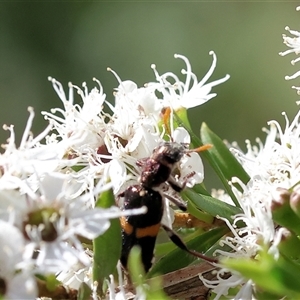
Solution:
(50, 182)
(51, 186)
(274, 171)
(270, 209)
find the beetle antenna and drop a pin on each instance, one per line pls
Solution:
(199, 149)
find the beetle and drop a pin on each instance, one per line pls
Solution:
(142, 230)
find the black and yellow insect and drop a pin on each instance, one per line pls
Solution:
(142, 230)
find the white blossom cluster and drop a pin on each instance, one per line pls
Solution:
(294, 44)
(50, 182)
(274, 169)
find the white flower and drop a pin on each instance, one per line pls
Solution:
(191, 163)
(77, 274)
(17, 282)
(271, 166)
(137, 101)
(277, 161)
(48, 190)
(246, 241)
(133, 125)
(221, 286)
(123, 294)
(29, 160)
(80, 128)
(186, 94)
(95, 142)
(294, 44)
(97, 146)
(55, 220)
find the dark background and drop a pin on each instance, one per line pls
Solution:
(76, 41)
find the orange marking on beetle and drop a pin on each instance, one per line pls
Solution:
(126, 226)
(147, 231)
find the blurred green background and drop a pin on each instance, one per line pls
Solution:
(76, 41)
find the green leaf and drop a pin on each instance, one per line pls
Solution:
(290, 245)
(200, 189)
(201, 215)
(84, 292)
(107, 247)
(178, 258)
(77, 168)
(51, 282)
(271, 275)
(284, 215)
(155, 290)
(212, 205)
(222, 160)
(135, 266)
(221, 155)
(137, 274)
(260, 294)
(181, 118)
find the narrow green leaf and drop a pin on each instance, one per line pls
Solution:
(273, 276)
(212, 205)
(290, 245)
(220, 154)
(107, 247)
(84, 292)
(201, 215)
(280, 211)
(77, 168)
(260, 294)
(137, 274)
(135, 266)
(155, 291)
(181, 118)
(162, 249)
(200, 189)
(222, 160)
(51, 282)
(178, 258)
